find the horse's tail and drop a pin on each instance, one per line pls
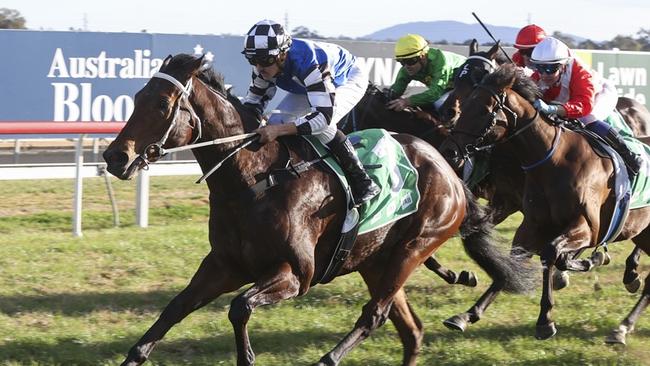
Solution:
(513, 271)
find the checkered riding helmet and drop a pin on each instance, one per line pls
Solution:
(266, 37)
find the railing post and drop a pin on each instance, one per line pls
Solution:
(78, 187)
(142, 199)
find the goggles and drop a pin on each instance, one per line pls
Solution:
(547, 68)
(264, 61)
(409, 61)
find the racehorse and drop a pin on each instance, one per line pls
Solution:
(371, 112)
(567, 190)
(281, 239)
(503, 185)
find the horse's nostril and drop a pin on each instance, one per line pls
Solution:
(113, 157)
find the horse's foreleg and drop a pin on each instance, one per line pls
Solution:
(281, 284)
(466, 278)
(627, 325)
(209, 281)
(631, 278)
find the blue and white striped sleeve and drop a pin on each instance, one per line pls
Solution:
(320, 93)
(260, 91)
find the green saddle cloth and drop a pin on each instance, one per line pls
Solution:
(640, 195)
(396, 176)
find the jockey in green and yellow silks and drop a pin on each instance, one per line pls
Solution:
(431, 66)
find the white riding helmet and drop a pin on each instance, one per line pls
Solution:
(550, 51)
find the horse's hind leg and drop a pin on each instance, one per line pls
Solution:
(631, 278)
(375, 311)
(408, 325)
(280, 284)
(209, 281)
(466, 278)
(463, 320)
(627, 325)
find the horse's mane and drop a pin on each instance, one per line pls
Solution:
(214, 79)
(509, 74)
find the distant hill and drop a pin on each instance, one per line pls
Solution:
(450, 31)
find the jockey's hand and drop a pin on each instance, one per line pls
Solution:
(541, 106)
(269, 133)
(398, 104)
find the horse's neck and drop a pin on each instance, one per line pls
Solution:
(535, 143)
(223, 118)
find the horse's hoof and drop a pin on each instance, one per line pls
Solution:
(325, 361)
(617, 336)
(560, 280)
(467, 278)
(456, 322)
(634, 286)
(608, 259)
(545, 331)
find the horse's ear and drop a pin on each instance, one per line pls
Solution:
(492, 53)
(197, 64)
(166, 61)
(473, 47)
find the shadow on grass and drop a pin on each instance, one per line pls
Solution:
(72, 304)
(208, 351)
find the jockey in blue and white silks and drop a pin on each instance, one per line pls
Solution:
(323, 81)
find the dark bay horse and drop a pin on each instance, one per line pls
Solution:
(503, 186)
(371, 112)
(567, 189)
(281, 240)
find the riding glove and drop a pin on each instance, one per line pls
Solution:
(541, 106)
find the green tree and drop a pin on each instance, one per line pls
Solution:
(589, 45)
(304, 32)
(568, 40)
(11, 19)
(626, 43)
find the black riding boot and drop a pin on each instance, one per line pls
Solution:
(632, 160)
(363, 188)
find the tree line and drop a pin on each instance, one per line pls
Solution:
(12, 19)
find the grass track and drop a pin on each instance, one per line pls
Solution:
(85, 301)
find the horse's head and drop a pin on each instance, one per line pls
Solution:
(467, 76)
(163, 117)
(490, 113)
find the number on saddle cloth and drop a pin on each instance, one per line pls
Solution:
(389, 168)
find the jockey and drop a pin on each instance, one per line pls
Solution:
(431, 66)
(527, 38)
(324, 82)
(571, 90)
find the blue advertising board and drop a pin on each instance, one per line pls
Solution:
(92, 76)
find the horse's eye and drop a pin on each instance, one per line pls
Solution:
(164, 105)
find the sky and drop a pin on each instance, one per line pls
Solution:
(594, 19)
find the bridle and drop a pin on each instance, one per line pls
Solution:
(156, 150)
(481, 141)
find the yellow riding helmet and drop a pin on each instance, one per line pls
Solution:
(411, 45)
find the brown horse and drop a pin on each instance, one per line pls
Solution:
(371, 112)
(281, 239)
(567, 188)
(503, 186)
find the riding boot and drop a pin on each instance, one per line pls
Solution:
(363, 187)
(614, 139)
